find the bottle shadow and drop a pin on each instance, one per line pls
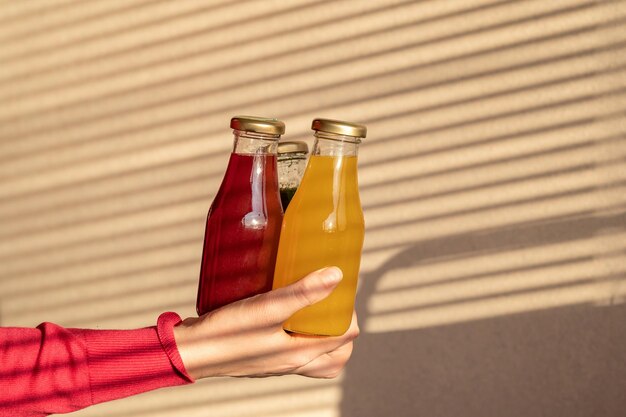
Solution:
(563, 361)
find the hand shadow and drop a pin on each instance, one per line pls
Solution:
(565, 361)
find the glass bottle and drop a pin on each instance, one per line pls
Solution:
(291, 163)
(243, 223)
(324, 227)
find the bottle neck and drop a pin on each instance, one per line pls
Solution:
(331, 144)
(252, 143)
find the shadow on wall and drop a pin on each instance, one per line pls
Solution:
(111, 140)
(540, 363)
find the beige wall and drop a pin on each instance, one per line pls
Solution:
(493, 183)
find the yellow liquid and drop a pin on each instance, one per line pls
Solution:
(323, 226)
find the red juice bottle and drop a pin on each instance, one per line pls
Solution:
(244, 221)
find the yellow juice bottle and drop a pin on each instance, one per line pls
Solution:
(323, 226)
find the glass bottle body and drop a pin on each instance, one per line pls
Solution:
(243, 225)
(324, 226)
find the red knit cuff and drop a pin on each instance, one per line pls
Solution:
(165, 328)
(128, 362)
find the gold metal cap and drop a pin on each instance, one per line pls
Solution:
(289, 147)
(339, 127)
(258, 125)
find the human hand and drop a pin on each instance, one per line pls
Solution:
(246, 338)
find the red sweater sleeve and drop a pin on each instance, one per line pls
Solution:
(51, 369)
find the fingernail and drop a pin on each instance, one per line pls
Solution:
(331, 276)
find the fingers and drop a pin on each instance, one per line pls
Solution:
(326, 355)
(316, 346)
(280, 304)
(328, 365)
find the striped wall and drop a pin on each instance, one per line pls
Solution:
(493, 180)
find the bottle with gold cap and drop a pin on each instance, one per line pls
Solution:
(291, 163)
(243, 223)
(323, 226)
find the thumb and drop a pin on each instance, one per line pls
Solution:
(282, 303)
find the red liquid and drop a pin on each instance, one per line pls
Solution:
(242, 232)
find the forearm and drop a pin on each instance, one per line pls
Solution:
(56, 370)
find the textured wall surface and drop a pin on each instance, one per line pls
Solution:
(493, 181)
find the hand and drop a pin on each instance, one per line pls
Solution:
(246, 338)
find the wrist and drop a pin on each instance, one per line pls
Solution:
(184, 343)
(167, 326)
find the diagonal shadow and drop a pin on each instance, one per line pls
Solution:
(446, 367)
